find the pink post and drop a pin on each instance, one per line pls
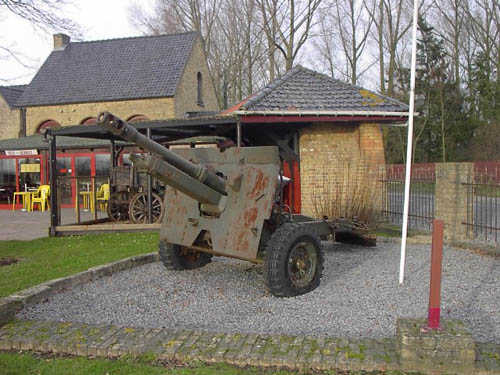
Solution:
(436, 267)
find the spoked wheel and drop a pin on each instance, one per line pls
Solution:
(138, 208)
(293, 261)
(118, 206)
(178, 258)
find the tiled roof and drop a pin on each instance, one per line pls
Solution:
(115, 69)
(307, 90)
(11, 94)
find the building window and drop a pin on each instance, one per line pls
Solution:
(137, 118)
(46, 125)
(200, 88)
(89, 121)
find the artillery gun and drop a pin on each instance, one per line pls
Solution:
(224, 203)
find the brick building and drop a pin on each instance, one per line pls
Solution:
(139, 79)
(12, 118)
(337, 127)
(147, 78)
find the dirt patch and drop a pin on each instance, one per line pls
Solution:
(7, 261)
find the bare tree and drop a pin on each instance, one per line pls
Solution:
(485, 17)
(352, 26)
(451, 15)
(44, 15)
(288, 25)
(232, 34)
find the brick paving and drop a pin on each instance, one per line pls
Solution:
(20, 225)
(160, 344)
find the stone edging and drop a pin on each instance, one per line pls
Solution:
(10, 305)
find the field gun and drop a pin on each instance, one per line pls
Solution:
(224, 203)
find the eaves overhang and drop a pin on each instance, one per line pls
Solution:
(386, 118)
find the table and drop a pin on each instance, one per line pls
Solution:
(87, 200)
(26, 199)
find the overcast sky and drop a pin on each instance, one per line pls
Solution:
(99, 19)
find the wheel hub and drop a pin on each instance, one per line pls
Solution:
(302, 264)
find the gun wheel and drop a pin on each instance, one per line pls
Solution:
(177, 258)
(138, 208)
(293, 262)
(118, 206)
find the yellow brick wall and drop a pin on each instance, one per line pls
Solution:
(186, 96)
(10, 121)
(73, 114)
(339, 165)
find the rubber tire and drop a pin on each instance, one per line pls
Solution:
(276, 260)
(173, 260)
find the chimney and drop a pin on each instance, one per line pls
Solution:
(61, 41)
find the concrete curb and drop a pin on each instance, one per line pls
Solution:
(10, 305)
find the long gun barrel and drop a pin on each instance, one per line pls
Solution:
(199, 172)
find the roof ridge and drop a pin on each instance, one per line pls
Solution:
(271, 86)
(134, 37)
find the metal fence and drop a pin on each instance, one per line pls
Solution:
(483, 216)
(421, 207)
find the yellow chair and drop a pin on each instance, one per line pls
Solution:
(103, 196)
(41, 195)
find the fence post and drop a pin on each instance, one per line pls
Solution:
(451, 203)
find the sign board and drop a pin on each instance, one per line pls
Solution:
(30, 168)
(20, 152)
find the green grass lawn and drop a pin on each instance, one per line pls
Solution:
(45, 259)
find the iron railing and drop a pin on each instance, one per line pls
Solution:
(483, 211)
(422, 193)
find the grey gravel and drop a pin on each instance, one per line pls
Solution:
(359, 296)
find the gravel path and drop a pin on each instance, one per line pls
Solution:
(359, 296)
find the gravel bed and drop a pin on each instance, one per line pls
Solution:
(359, 296)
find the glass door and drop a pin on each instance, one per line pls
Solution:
(64, 173)
(29, 174)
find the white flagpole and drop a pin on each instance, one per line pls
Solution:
(410, 143)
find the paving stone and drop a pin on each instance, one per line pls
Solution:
(258, 350)
(291, 358)
(241, 358)
(273, 355)
(172, 343)
(329, 353)
(155, 345)
(145, 343)
(124, 339)
(30, 340)
(212, 341)
(237, 342)
(186, 350)
(65, 337)
(303, 353)
(93, 343)
(107, 341)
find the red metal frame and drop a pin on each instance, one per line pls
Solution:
(8, 206)
(260, 119)
(44, 170)
(436, 268)
(295, 186)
